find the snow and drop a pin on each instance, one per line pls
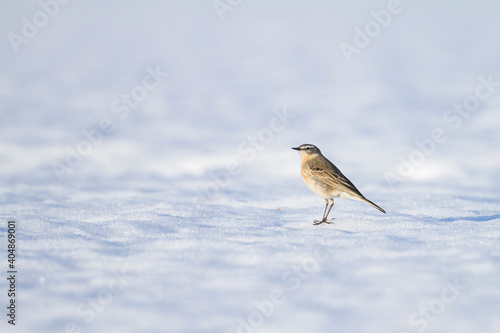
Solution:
(182, 209)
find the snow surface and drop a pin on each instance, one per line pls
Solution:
(189, 213)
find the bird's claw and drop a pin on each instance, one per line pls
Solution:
(316, 222)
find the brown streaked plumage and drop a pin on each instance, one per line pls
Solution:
(323, 178)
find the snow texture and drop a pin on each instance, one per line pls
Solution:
(145, 157)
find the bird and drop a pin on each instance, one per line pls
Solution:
(323, 178)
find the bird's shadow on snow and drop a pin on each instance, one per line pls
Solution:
(471, 218)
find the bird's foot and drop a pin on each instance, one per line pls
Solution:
(316, 222)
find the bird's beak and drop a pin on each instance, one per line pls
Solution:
(295, 148)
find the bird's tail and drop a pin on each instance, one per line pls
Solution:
(373, 204)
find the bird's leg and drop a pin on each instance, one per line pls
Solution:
(326, 206)
(323, 220)
(331, 205)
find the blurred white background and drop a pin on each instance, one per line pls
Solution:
(227, 75)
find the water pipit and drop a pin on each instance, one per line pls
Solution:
(323, 178)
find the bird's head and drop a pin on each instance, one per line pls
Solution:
(307, 150)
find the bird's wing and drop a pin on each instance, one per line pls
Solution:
(334, 178)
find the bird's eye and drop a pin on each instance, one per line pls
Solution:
(308, 148)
